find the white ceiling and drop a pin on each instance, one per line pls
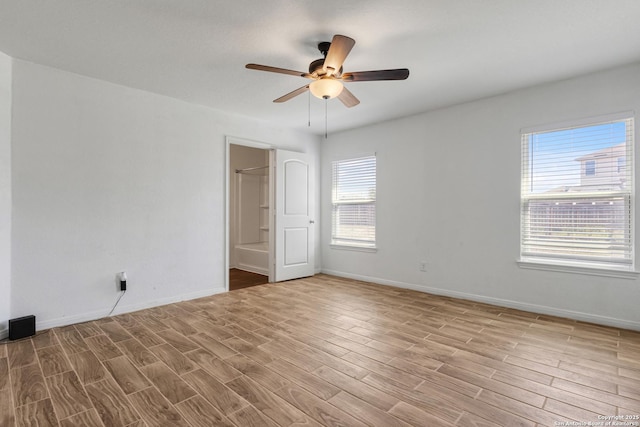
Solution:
(195, 50)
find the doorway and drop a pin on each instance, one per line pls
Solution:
(249, 228)
(269, 211)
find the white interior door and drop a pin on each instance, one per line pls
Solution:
(294, 222)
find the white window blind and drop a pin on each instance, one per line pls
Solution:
(354, 202)
(577, 195)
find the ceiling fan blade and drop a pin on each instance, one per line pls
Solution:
(338, 51)
(277, 70)
(348, 99)
(368, 76)
(292, 94)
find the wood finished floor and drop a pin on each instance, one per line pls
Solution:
(321, 351)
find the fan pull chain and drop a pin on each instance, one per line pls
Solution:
(325, 117)
(309, 108)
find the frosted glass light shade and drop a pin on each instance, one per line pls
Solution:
(326, 88)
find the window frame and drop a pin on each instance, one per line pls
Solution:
(578, 264)
(344, 243)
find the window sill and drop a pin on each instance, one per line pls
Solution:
(578, 269)
(354, 248)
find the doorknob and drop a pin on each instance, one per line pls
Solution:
(311, 221)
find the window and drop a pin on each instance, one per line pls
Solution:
(577, 192)
(353, 195)
(590, 167)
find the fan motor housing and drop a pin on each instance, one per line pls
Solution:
(316, 67)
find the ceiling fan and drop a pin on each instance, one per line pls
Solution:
(327, 74)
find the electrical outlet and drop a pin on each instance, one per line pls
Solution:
(122, 281)
(423, 265)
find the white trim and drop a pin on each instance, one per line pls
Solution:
(247, 142)
(604, 271)
(253, 269)
(588, 121)
(4, 333)
(533, 308)
(339, 158)
(354, 248)
(99, 314)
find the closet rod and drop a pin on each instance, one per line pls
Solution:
(251, 169)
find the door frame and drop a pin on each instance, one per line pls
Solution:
(229, 140)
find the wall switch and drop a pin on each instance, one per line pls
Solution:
(423, 265)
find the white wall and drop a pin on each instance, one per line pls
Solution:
(449, 194)
(108, 178)
(5, 192)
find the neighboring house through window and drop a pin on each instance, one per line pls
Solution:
(590, 167)
(577, 195)
(353, 222)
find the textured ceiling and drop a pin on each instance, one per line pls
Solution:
(195, 50)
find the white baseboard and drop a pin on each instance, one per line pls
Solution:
(253, 269)
(534, 308)
(4, 333)
(85, 317)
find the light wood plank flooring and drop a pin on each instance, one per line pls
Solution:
(321, 351)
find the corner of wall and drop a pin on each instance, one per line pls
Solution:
(6, 72)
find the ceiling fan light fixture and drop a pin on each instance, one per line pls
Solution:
(327, 76)
(326, 88)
